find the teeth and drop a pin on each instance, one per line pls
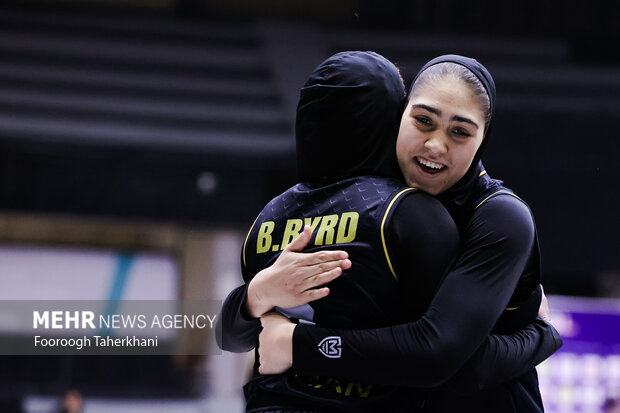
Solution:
(430, 164)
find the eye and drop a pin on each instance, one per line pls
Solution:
(423, 120)
(461, 132)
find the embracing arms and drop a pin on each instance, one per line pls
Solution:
(294, 279)
(428, 352)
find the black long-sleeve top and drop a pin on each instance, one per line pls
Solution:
(430, 351)
(467, 305)
(422, 240)
(498, 254)
(345, 108)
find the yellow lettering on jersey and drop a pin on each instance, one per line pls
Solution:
(333, 385)
(364, 392)
(348, 220)
(263, 241)
(347, 392)
(313, 222)
(312, 381)
(329, 229)
(337, 386)
(292, 230)
(325, 233)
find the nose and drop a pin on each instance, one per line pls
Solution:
(436, 143)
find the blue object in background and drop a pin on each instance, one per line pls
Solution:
(119, 281)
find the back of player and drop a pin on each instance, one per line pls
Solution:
(346, 214)
(348, 195)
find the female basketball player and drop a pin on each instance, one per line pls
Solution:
(440, 142)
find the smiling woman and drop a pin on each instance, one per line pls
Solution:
(493, 285)
(441, 131)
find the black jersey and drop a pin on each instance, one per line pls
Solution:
(498, 260)
(493, 204)
(347, 121)
(346, 128)
(350, 214)
(431, 350)
(497, 267)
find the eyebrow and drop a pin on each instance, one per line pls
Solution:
(466, 120)
(438, 113)
(426, 107)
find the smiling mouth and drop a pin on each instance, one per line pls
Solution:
(429, 166)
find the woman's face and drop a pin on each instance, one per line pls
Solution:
(440, 132)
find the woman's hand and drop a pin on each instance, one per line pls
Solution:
(543, 310)
(293, 279)
(275, 344)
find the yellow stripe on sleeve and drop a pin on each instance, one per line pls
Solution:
(246, 240)
(387, 211)
(503, 191)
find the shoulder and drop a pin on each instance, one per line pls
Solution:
(425, 216)
(505, 205)
(419, 199)
(424, 241)
(506, 217)
(419, 205)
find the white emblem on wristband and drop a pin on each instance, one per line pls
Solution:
(331, 347)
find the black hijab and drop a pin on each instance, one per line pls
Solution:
(460, 199)
(348, 118)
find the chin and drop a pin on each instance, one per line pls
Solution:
(428, 189)
(432, 191)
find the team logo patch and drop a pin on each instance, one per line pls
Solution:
(331, 347)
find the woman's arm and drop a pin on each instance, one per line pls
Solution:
(504, 357)
(499, 359)
(239, 330)
(426, 353)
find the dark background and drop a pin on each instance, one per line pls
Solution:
(183, 110)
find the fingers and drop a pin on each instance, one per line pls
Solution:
(301, 241)
(543, 299)
(309, 264)
(322, 278)
(261, 357)
(543, 310)
(316, 294)
(321, 257)
(314, 258)
(275, 348)
(328, 272)
(326, 267)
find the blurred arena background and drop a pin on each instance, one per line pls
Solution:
(139, 139)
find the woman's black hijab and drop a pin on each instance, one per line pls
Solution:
(461, 198)
(348, 118)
